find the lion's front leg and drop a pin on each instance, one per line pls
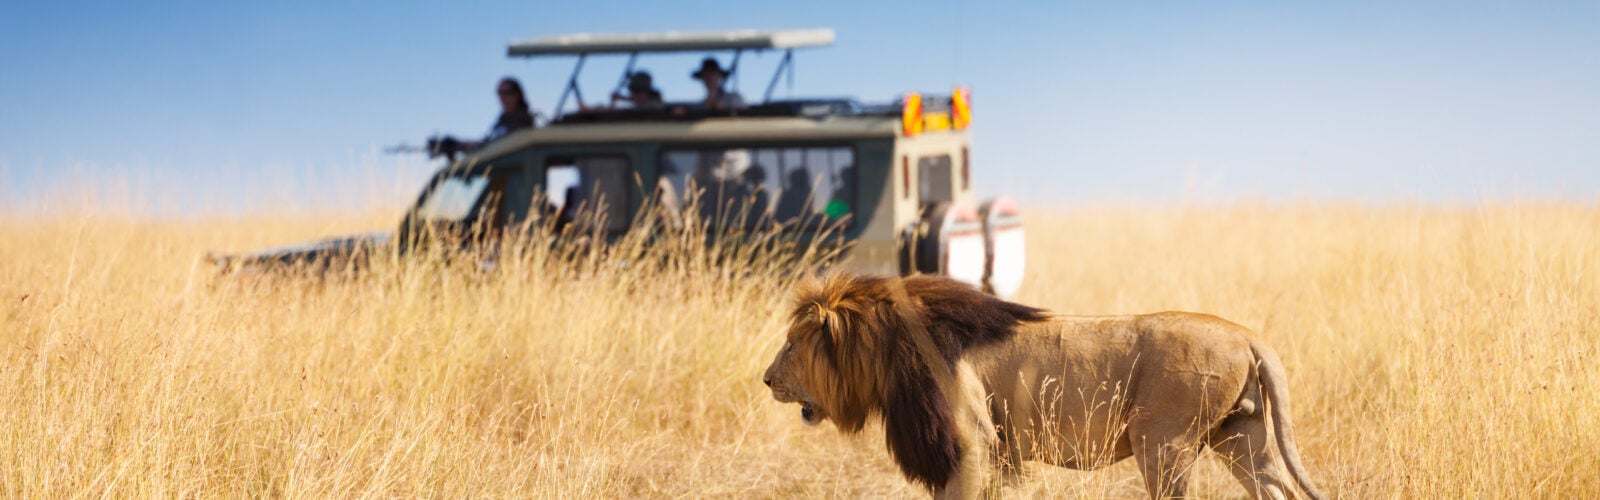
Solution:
(978, 439)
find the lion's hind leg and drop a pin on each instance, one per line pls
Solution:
(1165, 449)
(1244, 442)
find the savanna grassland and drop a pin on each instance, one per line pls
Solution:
(1432, 353)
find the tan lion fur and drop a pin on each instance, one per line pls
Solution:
(967, 385)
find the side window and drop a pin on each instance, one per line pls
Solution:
(801, 187)
(934, 182)
(588, 189)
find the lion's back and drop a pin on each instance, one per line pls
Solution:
(1177, 325)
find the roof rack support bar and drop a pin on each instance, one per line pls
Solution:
(786, 64)
(733, 71)
(627, 72)
(572, 87)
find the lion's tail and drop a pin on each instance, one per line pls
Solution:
(1273, 379)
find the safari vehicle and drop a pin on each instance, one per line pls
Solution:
(892, 183)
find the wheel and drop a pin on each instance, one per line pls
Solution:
(947, 240)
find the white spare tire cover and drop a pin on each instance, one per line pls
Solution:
(951, 242)
(1004, 245)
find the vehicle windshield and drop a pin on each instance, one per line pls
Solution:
(495, 196)
(452, 198)
(799, 187)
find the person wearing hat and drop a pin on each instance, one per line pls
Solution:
(642, 93)
(718, 98)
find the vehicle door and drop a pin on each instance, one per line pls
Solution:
(590, 191)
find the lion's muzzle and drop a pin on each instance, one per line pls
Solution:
(809, 411)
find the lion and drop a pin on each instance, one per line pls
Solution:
(969, 386)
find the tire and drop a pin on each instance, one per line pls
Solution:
(947, 240)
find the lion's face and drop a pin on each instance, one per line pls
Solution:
(786, 377)
(831, 362)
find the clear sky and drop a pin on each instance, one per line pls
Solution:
(1150, 101)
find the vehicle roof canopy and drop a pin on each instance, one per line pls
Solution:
(672, 41)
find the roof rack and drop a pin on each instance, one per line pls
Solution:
(585, 44)
(802, 108)
(671, 41)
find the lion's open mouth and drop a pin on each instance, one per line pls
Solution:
(810, 413)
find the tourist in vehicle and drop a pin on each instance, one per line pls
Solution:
(795, 200)
(718, 98)
(844, 193)
(642, 93)
(755, 190)
(514, 115)
(514, 112)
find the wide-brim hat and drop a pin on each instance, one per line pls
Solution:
(640, 81)
(706, 66)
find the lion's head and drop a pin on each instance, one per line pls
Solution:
(864, 346)
(839, 315)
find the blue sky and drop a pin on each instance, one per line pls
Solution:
(1151, 102)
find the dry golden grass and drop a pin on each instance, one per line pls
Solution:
(1432, 353)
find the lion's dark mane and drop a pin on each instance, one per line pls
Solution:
(919, 420)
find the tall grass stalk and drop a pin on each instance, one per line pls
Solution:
(1432, 353)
